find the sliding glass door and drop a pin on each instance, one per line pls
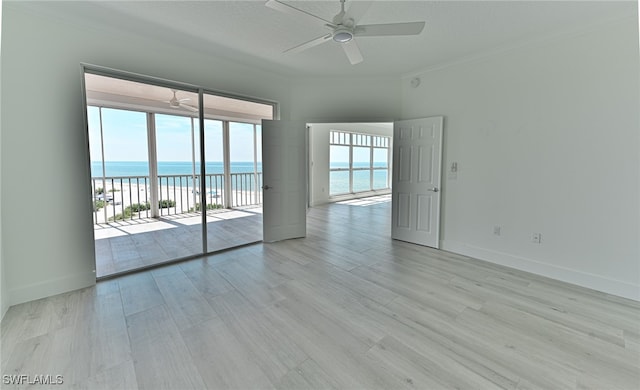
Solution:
(152, 192)
(177, 163)
(144, 173)
(234, 174)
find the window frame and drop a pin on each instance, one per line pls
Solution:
(360, 140)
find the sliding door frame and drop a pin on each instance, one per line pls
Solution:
(160, 82)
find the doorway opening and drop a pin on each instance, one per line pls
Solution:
(349, 161)
(345, 159)
(175, 170)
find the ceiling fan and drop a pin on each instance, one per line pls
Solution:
(344, 29)
(179, 103)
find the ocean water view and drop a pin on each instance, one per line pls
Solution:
(141, 168)
(339, 180)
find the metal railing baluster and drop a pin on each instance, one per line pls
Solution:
(130, 197)
(175, 197)
(146, 196)
(168, 198)
(246, 190)
(113, 203)
(181, 203)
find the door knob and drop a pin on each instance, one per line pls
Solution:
(265, 187)
(434, 189)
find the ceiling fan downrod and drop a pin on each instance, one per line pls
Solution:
(342, 33)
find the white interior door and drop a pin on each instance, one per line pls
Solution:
(284, 170)
(417, 159)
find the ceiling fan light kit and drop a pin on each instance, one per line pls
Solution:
(342, 35)
(344, 29)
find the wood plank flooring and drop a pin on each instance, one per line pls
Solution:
(344, 308)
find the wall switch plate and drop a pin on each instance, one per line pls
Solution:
(453, 171)
(536, 238)
(497, 230)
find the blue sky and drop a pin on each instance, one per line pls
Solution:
(125, 137)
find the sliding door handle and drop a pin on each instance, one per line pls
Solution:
(265, 187)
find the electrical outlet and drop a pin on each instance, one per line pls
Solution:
(536, 238)
(497, 230)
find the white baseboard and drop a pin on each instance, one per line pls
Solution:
(51, 287)
(583, 279)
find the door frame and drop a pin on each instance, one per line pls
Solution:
(340, 122)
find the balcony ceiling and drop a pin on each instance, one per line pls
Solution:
(123, 94)
(249, 32)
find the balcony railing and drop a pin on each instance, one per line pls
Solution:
(125, 198)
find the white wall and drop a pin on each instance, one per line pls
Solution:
(334, 100)
(319, 156)
(4, 302)
(47, 231)
(547, 140)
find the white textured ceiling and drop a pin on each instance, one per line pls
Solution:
(249, 32)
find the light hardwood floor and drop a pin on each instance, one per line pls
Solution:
(345, 307)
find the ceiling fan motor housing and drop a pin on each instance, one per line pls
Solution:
(342, 35)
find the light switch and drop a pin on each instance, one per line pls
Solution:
(453, 171)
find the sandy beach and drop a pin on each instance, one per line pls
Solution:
(120, 196)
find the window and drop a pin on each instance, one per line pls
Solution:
(357, 162)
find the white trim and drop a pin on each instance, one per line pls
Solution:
(583, 279)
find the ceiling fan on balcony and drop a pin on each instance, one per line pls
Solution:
(179, 103)
(343, 29)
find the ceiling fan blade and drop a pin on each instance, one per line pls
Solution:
(291, 10)
(188, 107)
(377, 30)
(309, 44)
(352, 51)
